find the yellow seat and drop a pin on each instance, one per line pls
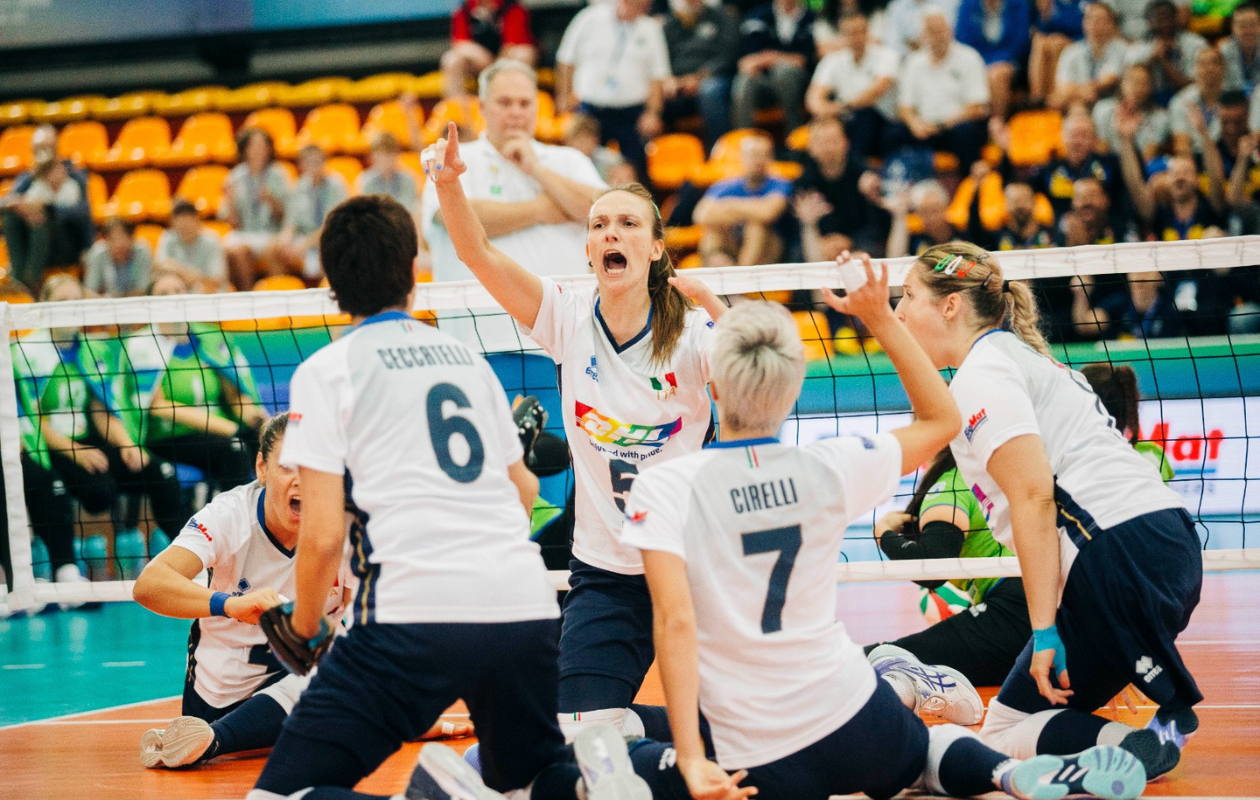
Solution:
(98, 197)
(201, 139)
(197, 100)
(83, 142)
(138, 143)
(385, 118)
(683, 238)
(12, 294)
(427, 86)
(15, 149)
(70, 109)
(280, 124)
(143, 194)
(992, 203)
(279, 283)
(4, 261)
(348, 167)
(549, 128)
(219, 226)
(312, 93)
(673, 158)
(16, 112)
(787, 170)
(798, 139)
(334, 128)
(376, 88)
(724, 160)
(148, 232)
(815, 333)
(1035, 137)
(250, 97)
(691, 261)
(203, 187)
(125, 106)
(447, 111)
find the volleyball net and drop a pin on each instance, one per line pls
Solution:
(188, 377)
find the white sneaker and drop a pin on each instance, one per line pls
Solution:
(452, 773)
(69, 573)
(181, 743)
(605, 764)
(941, 692)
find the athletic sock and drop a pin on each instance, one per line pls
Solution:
(655, 723)
(969, 767)
(340, 793)
(655, 762)
(557, 782)
(256, 724)
(1070, 731)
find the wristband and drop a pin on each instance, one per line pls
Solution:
(1048, 639)
(217, 601)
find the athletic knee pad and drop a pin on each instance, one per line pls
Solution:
(1012, 732)
(571, 724)
(940, 737)
(287, 690)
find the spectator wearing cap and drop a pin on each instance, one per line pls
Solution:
(1241, 49)
(253, 204)
(856, 85)
(943, 99)
(1202, 97)
(741, 216)
(46, 218)
(613, 62)
(905, 22)
(776, 54)
(703, 43)
(1169, 51)
(386, 175)
(1081, 158)
(119, 265)
(1057, 23)
(189, 248)
(1154, 134)
(999, 30)
(317, 193)
(1090, 69)
(481, 31)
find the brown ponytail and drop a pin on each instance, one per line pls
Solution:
(1117, 388)
(669, 306)
(974, 273)
(943, 463)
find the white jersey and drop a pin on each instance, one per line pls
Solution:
(622, 412)
(760, 526)
(231, 538)
(421, 429)
(1005, 389)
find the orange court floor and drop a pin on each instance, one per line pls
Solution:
(95, 755)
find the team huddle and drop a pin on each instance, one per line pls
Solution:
(393, 498)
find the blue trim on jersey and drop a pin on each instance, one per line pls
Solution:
(384, 316)
(742, 443)
(262, 523)
(621, 348)
(985, 335)
(369, 574)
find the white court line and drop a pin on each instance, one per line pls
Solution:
(85, 713)
(105, 722)
(1199, 642)
(23, 666)
(122, 663)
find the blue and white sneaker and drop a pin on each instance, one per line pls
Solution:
(1105, 772)
(605, 764)
(442, 773)
(938, 691)
(1174, 726)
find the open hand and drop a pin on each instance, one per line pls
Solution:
(91, 459)
(707, 781)
(1042, 664)
(441, 159)
(867, 302)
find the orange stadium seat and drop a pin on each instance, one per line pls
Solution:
(5, 186)
(1035, 137)
(376, 88)
(279, 283)
(125, 106)
(148, 232)
(815, 333)
(348, 167)
(673, 158)
(188, 102)
(691, 261)
(550, 128)
(70, 109)
(203, 187)
(427, 86)
(219, 226)
(98, 197)
(280, 124)
(4, 261)
(83, 142)
(138, 143)
(447, 111)
(143, 194)
(201, 139)
(312, 93)
(251, 97)
(386, 118)
(334, 128)
(798, 139)
(15, 149)
(724, 159)
(15, 112)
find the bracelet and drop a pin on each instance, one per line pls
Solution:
(217, 601)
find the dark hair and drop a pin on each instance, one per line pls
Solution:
(242, 142)
(1157, 5)
(117, 224)
(1234, 97)
(271, 433)
(368, 249)
(182, 205)
(1117, 388)
(942, 463)
(669, 306)
(582, 124)
(385, 141)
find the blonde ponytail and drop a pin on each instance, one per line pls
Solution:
(1025, 319)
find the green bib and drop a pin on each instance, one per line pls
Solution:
(1153, 453)
(952, 490)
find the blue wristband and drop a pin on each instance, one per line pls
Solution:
(217, 601)
(1048, 639)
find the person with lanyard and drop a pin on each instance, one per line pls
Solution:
(1241, 49)
(1111, 562)
(253, 204)
(743, 577)
(1202, 97)
(1117, 387)
(1089, 69)
(633, 386)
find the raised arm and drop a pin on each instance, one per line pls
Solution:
(515, 288)
(1131, 166)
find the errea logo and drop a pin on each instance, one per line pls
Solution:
(1147, 669)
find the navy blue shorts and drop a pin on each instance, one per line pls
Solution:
(879, 752)
(606, 641)
(194, 705)
(1129, 594)
(382, 685)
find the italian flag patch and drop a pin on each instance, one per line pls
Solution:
(665, 386)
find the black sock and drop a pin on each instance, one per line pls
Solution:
(1070, 731)
(340, 793)
(655, 722)
(256, 724)
(557, 782)
(967, 768)
(654, 762)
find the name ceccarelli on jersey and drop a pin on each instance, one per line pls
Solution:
(763, 496)
(439, 355)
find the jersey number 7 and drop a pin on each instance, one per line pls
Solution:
(787, 543)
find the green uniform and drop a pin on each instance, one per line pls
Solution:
(1153, 453)
(951, 490)
(57, 385)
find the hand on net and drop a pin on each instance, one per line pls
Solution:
(298, 653)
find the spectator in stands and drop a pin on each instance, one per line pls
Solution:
(1080, 159)
(386, 175)
(583, 136)
(999, 30)
(192, 251)
(928, 201)
(253, 204)
(1132, 17)
(1187, 213)
(905, 22)
(1232, 120)
(613, 60)
(703, 43)
(1090, 69)
(1242, 49)
(1205, 96)
(1169, 51)
(1058, 23)
(776, 56)
(1244, 177)
(943, 97)
(856, 85)
(827, 35)
(1154, 133)
(1021, 231)
(119, 264)
(741, 216)
(838, 214)
(46, 218)
(317, 193)
(481, 31)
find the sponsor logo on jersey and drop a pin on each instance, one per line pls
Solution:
(593, 370)
(606, 430)
(983, 499)
(976, 421)
(202, 529)
(637, 518)
(666, 386)
(1190, 453)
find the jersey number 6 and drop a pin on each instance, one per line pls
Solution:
(787, 543)
(442, 428)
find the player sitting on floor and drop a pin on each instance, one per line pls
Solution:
(739, 545)
(1117, 387)
(1111, 562)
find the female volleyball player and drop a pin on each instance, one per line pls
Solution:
(739, 544)
(633, 380)
(1117, 387)
(1110, 559)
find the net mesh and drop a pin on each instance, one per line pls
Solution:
(191, 376)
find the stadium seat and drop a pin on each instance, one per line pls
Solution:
(447, 111)
(138, 143)
(203, 187)
(15, 112)
(202, 138)
(691, 261)
(83, 142)
(14, 294)
(724, 159)
(98, 197)
(388, 118)
(410, 161)
(280, 124)
(348, 167)
(279, 283)
(683, 238)
(317, 92)
(4, 261)
(1035, 137)
(125, 106)
(220, 227)
(333, 127)
(376, 88)
(143, 194)
(673, 158)
(549, 127)
(251, 97)
(148, 232)
(5, 185)
(15, 149)
(427, 86)
(70, 109)
(798, 139)
(188, 102)
(815, 333)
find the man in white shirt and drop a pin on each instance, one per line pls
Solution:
(944, 95)
(1168, 50)
(1242, 49)
(1202, 97)
(1091, 68)
(905, 22)
(855, 84)
(614, 62)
